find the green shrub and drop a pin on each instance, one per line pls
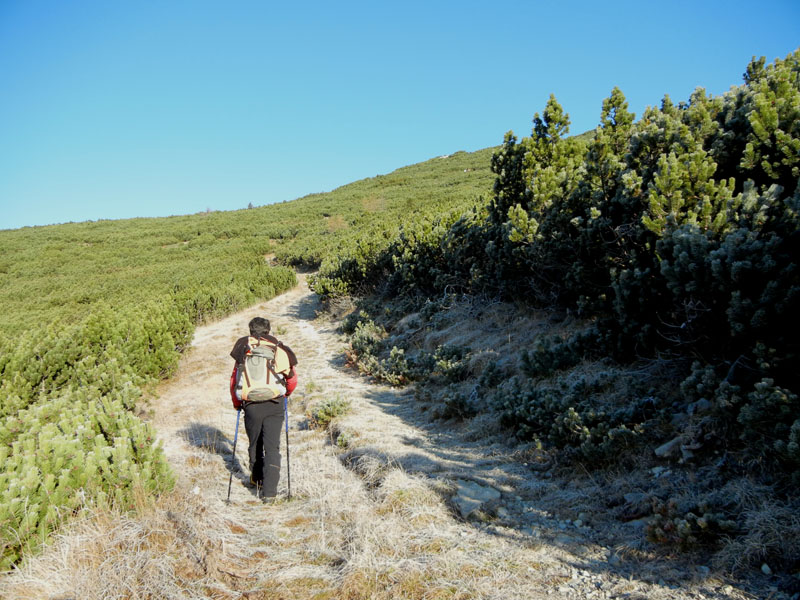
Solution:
(590, 419)
(702, 525)
(758, 425)
(454, 403)
(69, 452)
(552, 354)
(447, 364)
(367, 339)
(395, 370)
(676, 235)
(326, 411)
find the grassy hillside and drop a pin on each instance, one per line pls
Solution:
(93, 312)
(58, 273)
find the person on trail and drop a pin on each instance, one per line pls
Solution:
(264, 375)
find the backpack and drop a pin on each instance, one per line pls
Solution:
(258, 379)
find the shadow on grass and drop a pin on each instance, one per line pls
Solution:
(448, 452)
(210, 439)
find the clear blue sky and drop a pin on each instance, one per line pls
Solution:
(116, 109)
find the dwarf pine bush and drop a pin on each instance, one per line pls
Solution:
(69, 438)
(326, 411)
(68, 452)
(584, 418)
(552, 354)
(700, 525)
(676, 234)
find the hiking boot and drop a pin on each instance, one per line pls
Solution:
(268, 499)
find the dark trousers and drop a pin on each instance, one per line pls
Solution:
(263, 421)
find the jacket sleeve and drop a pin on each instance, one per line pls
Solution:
(291, 381)
(237, 404)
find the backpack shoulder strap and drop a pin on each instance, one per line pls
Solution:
(289, 353)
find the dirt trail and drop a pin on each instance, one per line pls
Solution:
(373, 517)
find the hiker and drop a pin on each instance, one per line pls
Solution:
(262, 391)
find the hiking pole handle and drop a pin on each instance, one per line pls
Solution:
(233, 455)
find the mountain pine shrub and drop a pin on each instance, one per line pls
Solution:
(69, 438)
(551, 354)
(326, 411)
(583, 418)
(676, 234)
(689, 529)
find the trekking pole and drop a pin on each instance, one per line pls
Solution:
(233, 456)
(288, 467)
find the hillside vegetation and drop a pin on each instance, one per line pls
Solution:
(94, 312)
(669, 247)
(638, 286)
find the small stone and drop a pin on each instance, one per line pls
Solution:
(680, 420)
(196, 490)
(636, 497)
(660, 471)
(669, 448)
(583, 517)
(577, 523)
(699, 407)
(614, 560)
(471, 496)
(639, 523)
(704, 570)
(765, 569)
(563, 539)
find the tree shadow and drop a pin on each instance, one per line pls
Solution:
(306, 309)
(211, 439)
(450, 451)
(446, 454)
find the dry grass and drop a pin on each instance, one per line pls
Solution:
(162, 552)
(373, 203)
(494, 331)
(337, 223)
(772, 531)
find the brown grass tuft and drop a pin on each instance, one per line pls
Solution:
(337, 223)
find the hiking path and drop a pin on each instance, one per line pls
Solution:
(379, 499)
